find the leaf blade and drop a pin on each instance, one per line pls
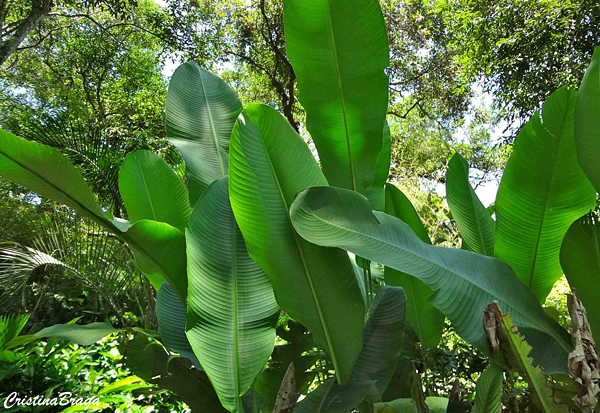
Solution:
(463, 282)
(232, 312)
(542, 192)
(201, 111)
(151, 190)
(341, 82)
(474, 222)
(262, 186)
(424, 318)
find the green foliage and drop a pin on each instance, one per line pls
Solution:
(542, 192)
(201, 111)
(165, 200)
(423, 317)
(262, 187)
(580, 259)
(464, 282)
(507, 339)
(249, 167)
(49, 368)
(489, 390)
(345, 102)
(524, 50)
(587, 116)
(231, 305)
(384, 334)
(474, 222)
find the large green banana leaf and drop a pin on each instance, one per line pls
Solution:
(474, 221)
(580, 259)
(46, 171)
(489, 390)
(542, 192)
(384, 336)
(171, 317)
(201, 111)
(376, 192)
(83, 334)
(269, 164)
(151, 190)
(339, 51)
(464, 282)
(232, 312)
(587, 121)
(159, 248)
(423, 317)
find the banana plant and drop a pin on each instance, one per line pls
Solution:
(261, 229)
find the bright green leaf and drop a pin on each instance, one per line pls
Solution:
(232, 312)
(542, 192)
(151, 190)
(269, 164)
(464, 282)
(339, 51)
(160, 249)
(376, 192)
(45, 171)
(587, 121)
(474, 221)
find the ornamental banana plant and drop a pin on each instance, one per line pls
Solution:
(262, 229)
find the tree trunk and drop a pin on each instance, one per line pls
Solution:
(39, 9)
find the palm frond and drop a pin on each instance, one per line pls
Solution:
(10, 327)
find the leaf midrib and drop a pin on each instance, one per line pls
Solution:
(212, 123)
(342, 99)
(236, 360)
(145, 185)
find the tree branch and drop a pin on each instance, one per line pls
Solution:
(39, 9)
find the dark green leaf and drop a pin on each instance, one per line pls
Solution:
(149, 361)
(384, 336)
(464, 282)
(171, 317)
(424, 318)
